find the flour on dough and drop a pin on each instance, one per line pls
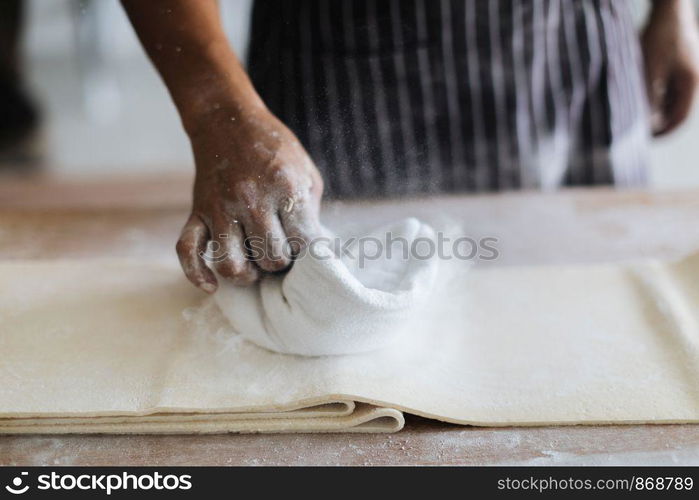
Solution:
(332, 302)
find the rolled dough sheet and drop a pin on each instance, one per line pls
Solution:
(118, 346)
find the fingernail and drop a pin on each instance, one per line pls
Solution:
(208, 287)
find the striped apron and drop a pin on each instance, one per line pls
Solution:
(398, 97)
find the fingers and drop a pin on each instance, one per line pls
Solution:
(230, 260)
(266, 240)
(300, 223)
(191, 248)
(678, 102)
(243, 211)
(671, 96)
(299, 215)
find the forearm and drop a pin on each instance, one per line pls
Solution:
(186, 42)
(249, 166)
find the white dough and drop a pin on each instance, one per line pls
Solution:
(330, 304)
(104, 346)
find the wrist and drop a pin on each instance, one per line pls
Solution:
(213, 87)
(218, 105)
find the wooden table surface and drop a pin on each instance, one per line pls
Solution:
(142, 217)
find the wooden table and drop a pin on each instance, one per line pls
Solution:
(142, 218)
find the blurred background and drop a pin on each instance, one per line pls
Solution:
(106, 112)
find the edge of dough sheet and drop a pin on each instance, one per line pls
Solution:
(365, 418)
(342, 406)
(362, 415)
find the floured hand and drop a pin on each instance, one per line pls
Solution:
(256, 198)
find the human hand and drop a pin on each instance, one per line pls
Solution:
(256, 188)
(670, 44)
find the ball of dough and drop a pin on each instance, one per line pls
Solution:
(328, 304)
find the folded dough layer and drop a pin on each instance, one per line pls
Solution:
(336, 302)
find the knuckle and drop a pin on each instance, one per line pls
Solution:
(245, 191)
(261, 220)
(281, 176)
(278, 170)
(183, 247)
(274, 264)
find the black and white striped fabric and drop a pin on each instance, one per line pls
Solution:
(395, 97)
